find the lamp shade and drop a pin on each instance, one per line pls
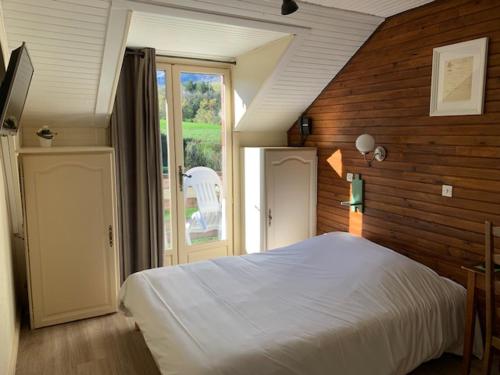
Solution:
(365, 143)
(288, 7)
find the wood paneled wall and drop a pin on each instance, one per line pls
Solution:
(385, 91)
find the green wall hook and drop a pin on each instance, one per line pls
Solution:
(357, 195)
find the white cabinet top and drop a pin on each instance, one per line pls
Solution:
(63, 150)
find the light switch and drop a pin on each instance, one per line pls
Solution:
(447, 191)
(349, 177)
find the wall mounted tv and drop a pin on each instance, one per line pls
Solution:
(14, 90)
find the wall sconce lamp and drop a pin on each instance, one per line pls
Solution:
(365, 144)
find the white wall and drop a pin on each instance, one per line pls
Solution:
(69, 136)
(9, 317)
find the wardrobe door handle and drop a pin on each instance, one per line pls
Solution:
(269, 217)
(110, 235)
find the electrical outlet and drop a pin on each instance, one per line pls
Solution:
(349, 177)
(447, 191)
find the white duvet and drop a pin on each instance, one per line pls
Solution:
(334, 304)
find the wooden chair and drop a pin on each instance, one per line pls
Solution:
(491, 259)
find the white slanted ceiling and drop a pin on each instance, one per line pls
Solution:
(178, 36)
(77, 48)
(382, 8)
(65, 39)
(252, 71)
(325, 39)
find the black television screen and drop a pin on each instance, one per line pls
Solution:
(14, 90)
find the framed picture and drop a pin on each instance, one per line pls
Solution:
(458, 78)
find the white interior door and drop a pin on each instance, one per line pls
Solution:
(195, 123)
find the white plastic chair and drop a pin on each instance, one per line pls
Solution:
(209, 196)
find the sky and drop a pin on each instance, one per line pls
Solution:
(186, 77)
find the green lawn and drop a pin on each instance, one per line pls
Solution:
(188, 213)
(206, 132)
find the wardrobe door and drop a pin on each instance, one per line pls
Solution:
(69, 204)
(290, 196)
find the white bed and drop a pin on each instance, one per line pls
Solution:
(334, 304)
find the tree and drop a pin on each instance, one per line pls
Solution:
(208, 112)
(162, 102)
(201, 101)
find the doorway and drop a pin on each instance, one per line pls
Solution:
(195, 128)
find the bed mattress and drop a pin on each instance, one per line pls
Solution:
(333, 304)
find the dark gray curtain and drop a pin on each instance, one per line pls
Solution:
(135, 136)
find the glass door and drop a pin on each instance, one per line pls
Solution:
(199, 153)
(169, 181)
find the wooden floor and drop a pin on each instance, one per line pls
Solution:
(110, 345)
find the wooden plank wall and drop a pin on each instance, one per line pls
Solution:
(385, 91)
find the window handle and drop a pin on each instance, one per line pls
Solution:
(181, 176)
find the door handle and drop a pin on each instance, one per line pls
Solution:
(181, 176)
(269, 217)
(110, 235)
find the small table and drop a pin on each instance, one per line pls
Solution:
(473, 282)
(470, 314)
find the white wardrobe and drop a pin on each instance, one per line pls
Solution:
(279, 194)
(70, 221)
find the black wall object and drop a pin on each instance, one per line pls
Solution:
(305, 124)
(288, 7)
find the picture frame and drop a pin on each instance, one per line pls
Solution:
(459, 78)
